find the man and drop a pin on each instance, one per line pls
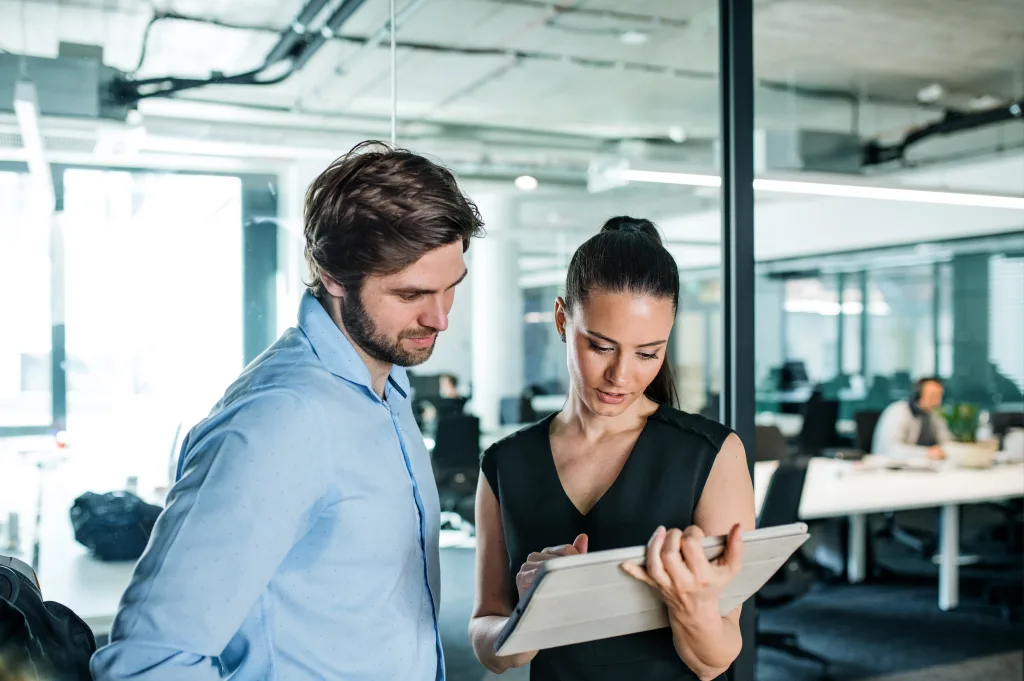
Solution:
(914, 428)
(301, 538)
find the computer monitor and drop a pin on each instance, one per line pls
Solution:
(793, 375)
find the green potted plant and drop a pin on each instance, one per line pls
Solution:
(965, 451)
(962, 420)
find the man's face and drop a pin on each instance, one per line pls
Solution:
(396, 318)
(931, 396)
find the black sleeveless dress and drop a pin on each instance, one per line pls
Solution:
(660, 484)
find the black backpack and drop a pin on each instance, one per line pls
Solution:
(39, 639)
(114, 526)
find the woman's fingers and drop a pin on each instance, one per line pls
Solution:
(679, 572)
(639, 574)
(698, 565)
(655, 568)
(732, 560)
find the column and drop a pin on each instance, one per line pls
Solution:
(497, 310)
(259, 264)
(864, 295)
(971, 369)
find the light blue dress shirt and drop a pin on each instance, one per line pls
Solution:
(301, 538)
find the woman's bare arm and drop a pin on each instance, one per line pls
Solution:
(491, 606)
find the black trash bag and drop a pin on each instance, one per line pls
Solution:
(41, 639)
(114, 526)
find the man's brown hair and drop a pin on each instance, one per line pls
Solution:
(376, 210)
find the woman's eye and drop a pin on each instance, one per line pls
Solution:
(600, 348)
(646, 356)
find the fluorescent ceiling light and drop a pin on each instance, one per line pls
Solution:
(688, 179)
(26, 110)
(526, 183)
(890, 194)
(853, 191)
(634, 37)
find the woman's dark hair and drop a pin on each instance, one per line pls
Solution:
(627, 256)
(376, 210)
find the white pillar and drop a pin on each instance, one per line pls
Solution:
(497, 314)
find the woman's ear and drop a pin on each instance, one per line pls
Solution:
(560, 317)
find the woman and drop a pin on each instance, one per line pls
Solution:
(614, 468)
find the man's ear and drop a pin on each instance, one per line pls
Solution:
(332, 286)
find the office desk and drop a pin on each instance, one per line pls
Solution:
(835, 489)
(93, 589)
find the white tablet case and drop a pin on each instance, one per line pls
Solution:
(589, 597)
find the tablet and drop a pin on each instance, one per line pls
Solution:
(588, 597)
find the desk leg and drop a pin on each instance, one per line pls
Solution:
(949, 554)
(856, 556)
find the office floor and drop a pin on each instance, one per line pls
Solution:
(867, 631)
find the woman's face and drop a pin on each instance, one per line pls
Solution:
(616, 344)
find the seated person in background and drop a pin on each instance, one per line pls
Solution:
(449, 385)
(914, 427)
(618, 466)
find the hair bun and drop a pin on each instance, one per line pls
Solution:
(624, 223)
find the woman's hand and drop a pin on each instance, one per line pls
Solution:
(528, 573)
(685, 580)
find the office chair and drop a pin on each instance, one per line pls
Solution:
(866, 423)
(456, 460)
(796, 577)
(819, 429)
(1004, 421)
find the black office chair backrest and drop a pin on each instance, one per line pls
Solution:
(449, 406)
(819, 429)
(457, 441)
(1003, 421)
(782, 499)
(866, 422)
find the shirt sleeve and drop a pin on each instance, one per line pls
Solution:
(252, 484)
(893, 438)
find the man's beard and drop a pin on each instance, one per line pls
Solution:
(364, 333)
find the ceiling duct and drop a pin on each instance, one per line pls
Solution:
(802, 150)
(74, 85)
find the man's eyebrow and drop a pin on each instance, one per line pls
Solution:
(458, 281)
(610, 340)
(417, 291)
(412, 291)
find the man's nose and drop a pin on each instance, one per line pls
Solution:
(435, 316)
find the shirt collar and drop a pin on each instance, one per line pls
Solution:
(336, 351)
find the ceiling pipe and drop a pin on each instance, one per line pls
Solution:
(295, 44)
(330, 29)
(295, 36)
(876, 153)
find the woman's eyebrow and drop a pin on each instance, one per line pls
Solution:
(615, 342)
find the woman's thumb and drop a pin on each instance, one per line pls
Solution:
(581, 543)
